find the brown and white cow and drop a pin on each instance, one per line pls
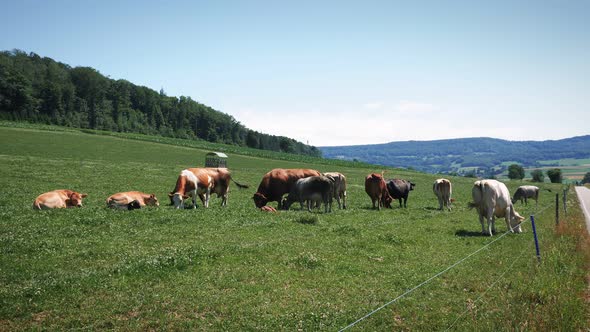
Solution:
(190, 183)
(376, 188)
(62, 198)
(277, 183)
(339, 187)
(124, 200)
(221, 178)
(443, 189)
(492, 199)
(311, 189)
(525, 192)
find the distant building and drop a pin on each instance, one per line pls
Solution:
(216, 159)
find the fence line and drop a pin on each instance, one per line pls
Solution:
(433, 277)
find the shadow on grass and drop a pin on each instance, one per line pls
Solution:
(465, 233)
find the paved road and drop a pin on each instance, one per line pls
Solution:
(584, 197)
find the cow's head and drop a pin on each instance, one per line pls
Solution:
(515, 220)
(412, 185)
(75, 199)
(177, 200)
(259, 200)
(387, 199)
(152, 200)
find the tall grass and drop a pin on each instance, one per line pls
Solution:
(237, 268)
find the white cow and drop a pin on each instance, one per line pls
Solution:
(492, 199)
(443, 190)
(524, 192)
(339, 187)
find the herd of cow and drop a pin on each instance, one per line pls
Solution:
(491, 198)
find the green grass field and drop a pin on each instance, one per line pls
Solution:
(237, 268)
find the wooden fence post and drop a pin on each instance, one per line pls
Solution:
(556, 209)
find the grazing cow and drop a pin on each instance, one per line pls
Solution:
(524, 192)
(191, 181)
(124, 199)
(376, 188)
(400, 189)
(311, 189)
(277, 183)
(58, 199)
(443, 190)
(492, 199)
(221, 178)
(339, 187)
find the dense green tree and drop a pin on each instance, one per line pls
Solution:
(515, 172)
(38, 89)
(586, 178)
(538, 175)
(554, 175)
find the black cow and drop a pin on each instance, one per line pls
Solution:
(399, 189)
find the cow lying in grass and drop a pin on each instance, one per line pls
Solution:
(58, 199)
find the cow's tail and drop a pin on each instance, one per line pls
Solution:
(241, 186)
(472, 205)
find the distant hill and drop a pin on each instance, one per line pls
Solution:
(483, 155)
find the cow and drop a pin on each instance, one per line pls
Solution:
(221, 179)
(339, 187)
(376, 188)
(123, 200)
(311, 189)
(57, 199)
(191, 181)
(524, 192)
(400, 189)
(492, 199)
(443, 190)
(277, 183)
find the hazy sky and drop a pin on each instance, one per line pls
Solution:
(337, 72)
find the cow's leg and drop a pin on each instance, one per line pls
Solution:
(491, 221)
(207, 197)
(337, 196)
(483, 229)
(440, 202)
(526, 203)
(344, 200)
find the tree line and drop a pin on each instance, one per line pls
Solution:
(41, 90)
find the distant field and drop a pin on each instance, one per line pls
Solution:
(238, 268)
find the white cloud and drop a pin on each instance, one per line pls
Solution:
(374, 105)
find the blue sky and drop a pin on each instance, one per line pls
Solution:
(337, 72)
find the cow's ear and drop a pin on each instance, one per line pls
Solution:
(83, 195)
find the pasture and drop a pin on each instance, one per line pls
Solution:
(237, 268)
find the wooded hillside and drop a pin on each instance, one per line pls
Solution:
(39, 89)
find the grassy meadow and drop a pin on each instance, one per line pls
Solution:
(237, 268)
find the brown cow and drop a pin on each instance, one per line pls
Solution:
(278, 182)
(376, 188)
(191, 181)
(123, 200)
(57, 199)
(221, 178)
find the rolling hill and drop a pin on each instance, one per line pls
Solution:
(486, 156)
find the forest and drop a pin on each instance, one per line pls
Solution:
(41, 90)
